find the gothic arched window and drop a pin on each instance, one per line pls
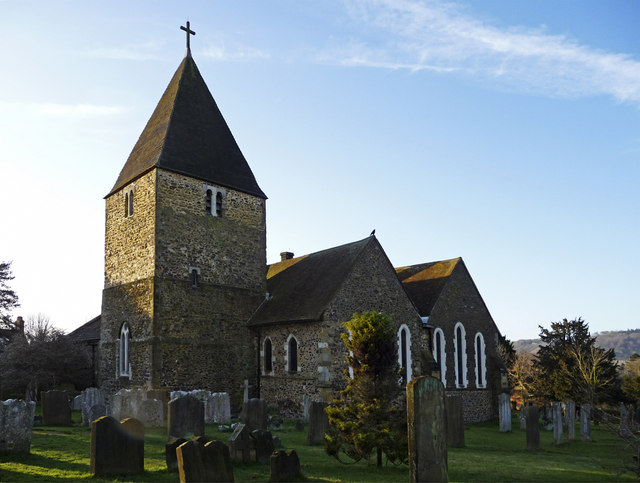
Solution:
(266, 356)
(123, 353)
(460, 347)
(219, 203)
(440, 355)
(481, 368)
(207, 207)
(404, 351)
(292, 354)
(126, 205)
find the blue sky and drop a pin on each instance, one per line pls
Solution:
(503, 132)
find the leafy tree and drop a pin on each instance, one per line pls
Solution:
(631, 380)
(524, 375)
(572, 365)
(8, 298)
(370, 415)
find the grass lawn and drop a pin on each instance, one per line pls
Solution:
(62, 454)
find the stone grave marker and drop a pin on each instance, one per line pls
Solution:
(318, 422)
(130, 403)
(56, 410)
(208, 462)
(16, 426)
(285, 465)
(504, 411)
(455, 421)
(263, 441)
(170, 453)
(92, 397)
(117, 448)
(276, 423)
(570, 417)
(306, 403)
(557, 422)
(186, 417)
(522, 417)
(76, 405)
(585, 422)
(255, 414)
(426, 421)
(532, 418)
(96, 411)
(218, 408)
(625, 421)
(241, 445)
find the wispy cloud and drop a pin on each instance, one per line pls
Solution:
(441, 36)
(232, 51)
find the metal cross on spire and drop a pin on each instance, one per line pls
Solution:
(189, 32)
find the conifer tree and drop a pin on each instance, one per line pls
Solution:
(370, 415)
(8, 298)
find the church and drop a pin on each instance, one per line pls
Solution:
(189, 301)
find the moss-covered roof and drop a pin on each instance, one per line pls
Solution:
(301, 288)
(187, 134)
(424, 282)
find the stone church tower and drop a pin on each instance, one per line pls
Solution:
(185, 251)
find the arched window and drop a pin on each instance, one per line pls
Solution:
(440, 355)
(219, 203)
(194, 277)
(131, 203)
(460, 348)
(292, 354)
(481, 367)
(207, 205)
(404, 351)
(126, 205)
(123, 355)
(266, 356)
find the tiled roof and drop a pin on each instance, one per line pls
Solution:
(301, 288)
(87, 332)
(424, 282)
(187, 134)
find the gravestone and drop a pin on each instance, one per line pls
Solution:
(218, 409)
(117, 448)
(56, 410)
(285, 465)
(16, 425)
(455, 421)
(532, 418)
(504, 412)
(570, 418)
(170, 453)
(263, 441)
(96, 411)
(161, 395)
(186, 417)
(625, 421)
(241, 445)
(276, 423)
(92, 396)
(306, 403)
(134, 403)
(426, 421)
(255, 414)
(209, 462)
(557, 422)
(76, 405)
(522, 417)
(585, 422)
(318, 422)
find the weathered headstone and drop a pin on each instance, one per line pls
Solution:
(76, 405)
(96, 411)
(585, 422)
(570, 418)
(426, 421)
(557, 422)
(523, 419)
(170, 453)
(241, 445)
(285, 465)
(306, 403)
(91, 397)
(504, 412)
(625, 430)
(218, 408)
(532, 418)
(16, 425)
(133, 403)
(56, 410)
(263, 441)
(255, 414)
(208, 462)
(318, 422)
(455, 421)
(186, 417)
(276, 423)
(117, 448)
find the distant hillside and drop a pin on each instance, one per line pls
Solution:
(624, 342)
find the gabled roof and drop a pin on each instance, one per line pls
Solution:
(424, 282)
(87, 332)
(187, 134)
(301, 288)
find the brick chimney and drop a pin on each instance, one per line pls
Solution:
(286, 256)
(20, 325)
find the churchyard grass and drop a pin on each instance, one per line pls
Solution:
(62, 454)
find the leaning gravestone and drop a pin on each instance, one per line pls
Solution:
(455, 421)
(263, 441)
(170, 453)
(585, 422)
(318, 422)
(255, 414)
(426, 421)
(117, 448)
(186, 417)
(207, 462)
(241, 445)
(285, 465)
(504, 410)
(557, 422)
(56, 410)
(570, 418)
(532, 418)
(16, 425)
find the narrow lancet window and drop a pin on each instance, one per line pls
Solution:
(268, 363)
(218, 203)
(208, 202)
(292, 354)
(126, 205)
(124, 351)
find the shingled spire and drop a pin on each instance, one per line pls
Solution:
(187, 134)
